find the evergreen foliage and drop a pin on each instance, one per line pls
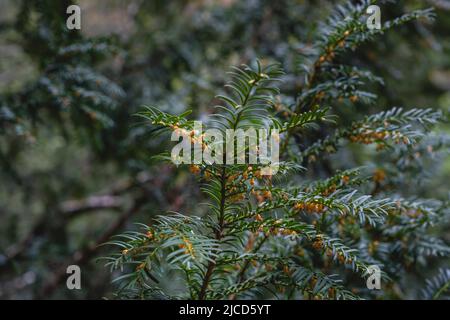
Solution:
(363, 117)
(284, 237)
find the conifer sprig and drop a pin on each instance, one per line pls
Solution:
(296, 238)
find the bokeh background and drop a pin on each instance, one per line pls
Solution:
(75, 163)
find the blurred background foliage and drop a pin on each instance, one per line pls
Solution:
(75, 163)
